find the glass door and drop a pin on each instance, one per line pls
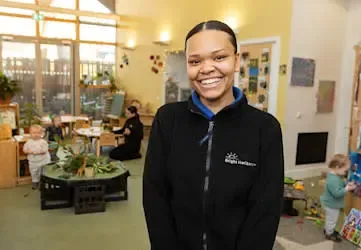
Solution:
(44, 71)
(56, 79)
(18, 61)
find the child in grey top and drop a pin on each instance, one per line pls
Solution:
(38, 155)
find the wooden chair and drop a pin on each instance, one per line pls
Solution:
(106, 139)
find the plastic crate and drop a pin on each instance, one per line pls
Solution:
(89, 199)
(54, 193)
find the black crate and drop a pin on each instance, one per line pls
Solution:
(54, 193)
(89, 199)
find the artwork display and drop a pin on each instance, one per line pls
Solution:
(351, 229)
(157, 64)
(303, 72)
(326, 96)
(8, 117)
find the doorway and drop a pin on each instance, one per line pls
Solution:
(259, 71)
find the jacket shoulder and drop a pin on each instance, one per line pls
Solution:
(264, 119)
(171, 109)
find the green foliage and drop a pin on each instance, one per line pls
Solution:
(8, 87)
(29, 115)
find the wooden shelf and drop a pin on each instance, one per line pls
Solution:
(23, 180)
(22, 157)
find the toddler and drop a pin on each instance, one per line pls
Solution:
(37, 150)
(55, 129)
(335, 190)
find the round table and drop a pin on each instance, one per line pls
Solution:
(58, 191)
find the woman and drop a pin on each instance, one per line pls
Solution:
(213, 176)
(133, 134)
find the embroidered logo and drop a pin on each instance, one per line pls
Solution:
(233, 159)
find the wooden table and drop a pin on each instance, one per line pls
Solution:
(67, 120)
(94, 133)
(290, 194)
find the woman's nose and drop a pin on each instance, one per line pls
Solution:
(206, 67)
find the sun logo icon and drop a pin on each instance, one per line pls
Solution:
(232, 156)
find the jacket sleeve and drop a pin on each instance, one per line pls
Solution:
(156, 188)
(336, 190)
(121, 131)
(266, 196)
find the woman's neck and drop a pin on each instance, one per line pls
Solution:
(219, 104)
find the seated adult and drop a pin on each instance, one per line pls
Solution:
(133, 134)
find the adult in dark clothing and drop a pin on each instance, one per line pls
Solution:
(213, 175)
(133, 134)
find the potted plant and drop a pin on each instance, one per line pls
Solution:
(29, 116)
(8, 88)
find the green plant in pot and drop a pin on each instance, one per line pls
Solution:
(29, 116)
(8, 88)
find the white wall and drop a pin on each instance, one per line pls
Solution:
(318, 29)
(352, 38)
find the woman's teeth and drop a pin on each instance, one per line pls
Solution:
(210, 81)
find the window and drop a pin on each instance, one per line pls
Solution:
(16, 11)
(58, 15)
(18, 61)
(89, 32)
(18, 26)
(21, 1)
(54, 29)
(67, 4)
(94, 5)
(96, 20)
(94, 59)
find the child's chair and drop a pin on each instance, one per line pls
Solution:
(106, 139)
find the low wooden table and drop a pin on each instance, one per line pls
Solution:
(290, 194)
(58, 192)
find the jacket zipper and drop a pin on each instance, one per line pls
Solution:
(206, 179)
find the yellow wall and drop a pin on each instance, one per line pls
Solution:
(257, 19)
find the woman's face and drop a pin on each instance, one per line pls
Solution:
(129, 114)
(211, 63)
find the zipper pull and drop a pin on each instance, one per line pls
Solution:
(209, 133)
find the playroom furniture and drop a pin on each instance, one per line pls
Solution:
(106, 139)
(57, 191)
(290, 194)
(10, 113)
(354, 134)
(22, 170)
(8, 152)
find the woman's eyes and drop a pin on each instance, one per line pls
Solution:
(220, 58)
(197, 61)
(194, 62)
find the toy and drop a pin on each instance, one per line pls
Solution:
(299, 185)
(314, 212)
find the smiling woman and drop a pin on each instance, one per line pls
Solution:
(213, 175)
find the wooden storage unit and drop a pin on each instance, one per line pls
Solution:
(22, 169)
(355, 122)
(8, 149)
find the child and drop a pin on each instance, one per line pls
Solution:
(335, 190)
(37, 150)
(55, 129)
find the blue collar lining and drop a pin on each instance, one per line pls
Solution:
(206, 111)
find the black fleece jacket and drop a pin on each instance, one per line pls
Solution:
(213, 184)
